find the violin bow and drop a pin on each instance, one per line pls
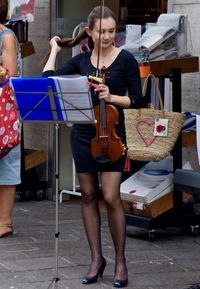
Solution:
(99, 44)
(97, 78)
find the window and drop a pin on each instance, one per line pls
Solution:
(141, 11)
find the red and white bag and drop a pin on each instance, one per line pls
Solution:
(9, 120)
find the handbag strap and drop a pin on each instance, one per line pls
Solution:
(158, 94)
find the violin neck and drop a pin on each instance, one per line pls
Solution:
(103, 120)
(103, 113)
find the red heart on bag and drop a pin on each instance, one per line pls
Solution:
(147, 142)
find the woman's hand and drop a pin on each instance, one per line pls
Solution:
(2, 74)
(54, 44)
(104, 93)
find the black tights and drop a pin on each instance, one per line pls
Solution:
(110, 184)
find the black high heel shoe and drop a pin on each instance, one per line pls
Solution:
(94, 279)
(120, 283)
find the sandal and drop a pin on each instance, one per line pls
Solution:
(8, 229)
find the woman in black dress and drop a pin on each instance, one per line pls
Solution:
(122, 89)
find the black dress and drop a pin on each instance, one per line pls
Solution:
(123, 79)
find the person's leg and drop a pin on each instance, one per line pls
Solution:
(111, 191)
(89, 187)
(7, 197)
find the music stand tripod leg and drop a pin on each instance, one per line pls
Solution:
(54, 282)
(54, 97)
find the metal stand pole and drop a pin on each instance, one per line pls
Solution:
(54, 283)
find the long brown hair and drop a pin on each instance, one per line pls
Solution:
(94, 15)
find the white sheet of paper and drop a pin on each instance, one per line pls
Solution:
(133, 32)
(198, 136)
(75, 98)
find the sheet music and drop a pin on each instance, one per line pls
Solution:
(60, 98)
(74, 97)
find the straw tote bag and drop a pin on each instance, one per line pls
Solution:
(151, 133)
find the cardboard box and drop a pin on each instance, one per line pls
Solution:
(189, 139)
(151, 182)
(153, 209)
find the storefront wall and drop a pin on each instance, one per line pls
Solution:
(191, 82)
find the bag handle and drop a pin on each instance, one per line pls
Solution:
(152, 76)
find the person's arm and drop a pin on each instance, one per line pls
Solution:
(134, 87)
(134, 97)
(70, 67)
(55, 49)
(9, 54)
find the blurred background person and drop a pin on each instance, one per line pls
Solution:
(10, 164)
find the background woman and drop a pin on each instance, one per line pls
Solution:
(123, 75)
(10, 164)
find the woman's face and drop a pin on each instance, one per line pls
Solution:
(108, 31)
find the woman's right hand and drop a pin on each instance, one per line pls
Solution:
(2, 74)
(54, 43)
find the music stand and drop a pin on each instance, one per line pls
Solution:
(57, 100)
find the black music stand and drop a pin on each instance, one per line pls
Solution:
(57, 100)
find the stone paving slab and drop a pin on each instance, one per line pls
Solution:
(27, 258)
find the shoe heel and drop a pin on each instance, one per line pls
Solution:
(94, 279)
(102, 268)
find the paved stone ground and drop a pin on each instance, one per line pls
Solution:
(27, 258)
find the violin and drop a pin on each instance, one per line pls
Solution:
(106, 146)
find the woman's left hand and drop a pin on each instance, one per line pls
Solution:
(104, 92)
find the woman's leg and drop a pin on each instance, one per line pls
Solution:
(89, 187)
(111, 190)
(7, 197)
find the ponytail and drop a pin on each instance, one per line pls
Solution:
(69, 42)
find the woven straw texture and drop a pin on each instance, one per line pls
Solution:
(143, 145)
(141, 142)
